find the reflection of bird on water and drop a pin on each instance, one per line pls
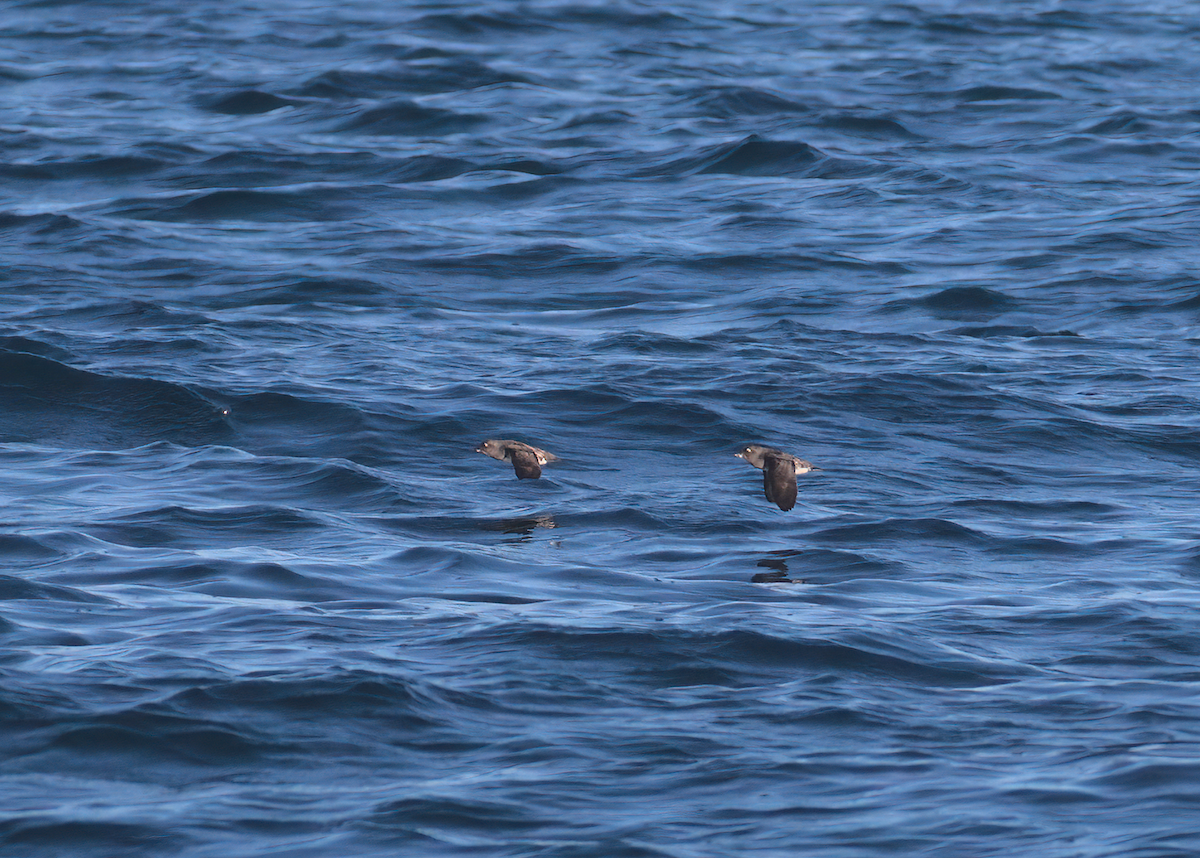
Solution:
(521, 526)
(779, 569)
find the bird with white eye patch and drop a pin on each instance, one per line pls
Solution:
(779, 469)
(527, 461)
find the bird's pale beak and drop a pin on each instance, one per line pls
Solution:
(740, 455)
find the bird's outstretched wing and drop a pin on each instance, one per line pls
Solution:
(526, 465)
(779, 481)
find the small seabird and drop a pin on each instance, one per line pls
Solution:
(527, 461)
(779, 472)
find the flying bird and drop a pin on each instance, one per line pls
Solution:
(779, 472)
(527, 461)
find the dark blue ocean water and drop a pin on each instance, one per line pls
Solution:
(272, 270)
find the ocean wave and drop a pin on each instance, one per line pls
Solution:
(51, 403)
(240, 205)
(271, 277)
(407, 117)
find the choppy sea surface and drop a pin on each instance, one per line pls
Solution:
(272, 270)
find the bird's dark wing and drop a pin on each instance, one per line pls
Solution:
(779, 481)
(526, 464)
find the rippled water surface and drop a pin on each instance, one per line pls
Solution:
(272, 270)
